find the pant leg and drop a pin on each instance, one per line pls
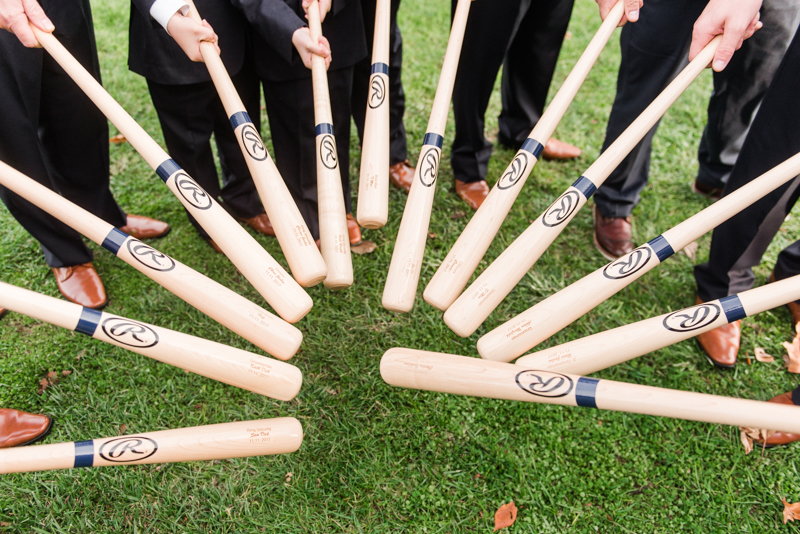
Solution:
(796, 396)
(739, 243)
(654, 50)
(529, 66)
(739, 89)
(489, 31)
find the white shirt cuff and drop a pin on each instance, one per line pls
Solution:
(162, 10)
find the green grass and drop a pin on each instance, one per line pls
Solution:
(375, 458)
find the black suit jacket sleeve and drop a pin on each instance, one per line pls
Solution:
(275, 21)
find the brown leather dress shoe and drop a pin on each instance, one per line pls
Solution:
(142, 227)
(559, 150)
(721, 345)
(793, 307)
(714, 193)
(402, 175)
(82, 285)
(3, 312)
(612, 235)
(214, 245)
(781, 438)
(353, 230)
(21, 428)
(261, 224)
(473, 193)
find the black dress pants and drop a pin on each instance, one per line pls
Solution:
(52, 132)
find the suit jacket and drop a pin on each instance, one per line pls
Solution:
(156, 56)
(276, 20)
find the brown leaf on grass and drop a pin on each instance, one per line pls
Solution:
(691, 250)
(505, 516)
(122, 429)
(458, 215)
(749, 435)
(365, 247)
(118, 139)
(432, 235)
(791, 511)
(762, 356)
(50, 379)
(792, 359)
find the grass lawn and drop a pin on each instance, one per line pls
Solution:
(375, 458)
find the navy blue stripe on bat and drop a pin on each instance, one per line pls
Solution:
(84, 453)
(380, 68)
(324, 128)
(114, 240)
(532, 146)
(585, 391)
(733, 308)
(661, 247)
(88, 322)
(585, 186)
(167, 169)
(433, 139)
(239, 118)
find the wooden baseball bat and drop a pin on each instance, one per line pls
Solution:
(400, 289)
(302, 254)
(447, 373)
(534, 325)
(454, 272)
(373, 183)
(604, 349)
(230, 309)
(469, 311)
(267, 276)
(226, 364)
(210, 442)
(333, 235)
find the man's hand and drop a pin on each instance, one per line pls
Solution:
(324, 7)
(189, 33)
(735, 20)
(15, 16)
(632, 8)
(306, 47)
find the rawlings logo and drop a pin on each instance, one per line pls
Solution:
(252, 143)
(544, 383)
(562, 208)
(150, 257)
(193, 193)
(128, 449)
(628, 265)
(692, 318)
(130, 333)
(327, 151)
(514, 172)
(430, 167)
(378, 93)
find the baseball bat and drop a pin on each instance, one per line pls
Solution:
(604, 349)
(302, 254)
(230, 309)
(400, 289)
(534, 325)
(333, 235)
(267, 276)
(447, 373)
(470, 309)
(454, 272)
(226, 364)
(373, 182)
(280, 435)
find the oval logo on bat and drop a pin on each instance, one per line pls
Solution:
(130, 333)
(514, 172)
(327, 151)
(192, 192)
(429, 169)
(377, 91)
(628, 265)
(562, 208)
(692, 318)
(150, 257)
(128, 449)
(544, 383)
(252, 143)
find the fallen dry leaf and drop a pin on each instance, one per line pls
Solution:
(792, 359)
(458, 215)
(505, 516)
(122, 429)
(50, 379)
(432, 235)
(366, 247)
(762, 356)
(117, 139)
(288, 477)
(691, 250)
(749, 435)
(567, 36)
(791, 511)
